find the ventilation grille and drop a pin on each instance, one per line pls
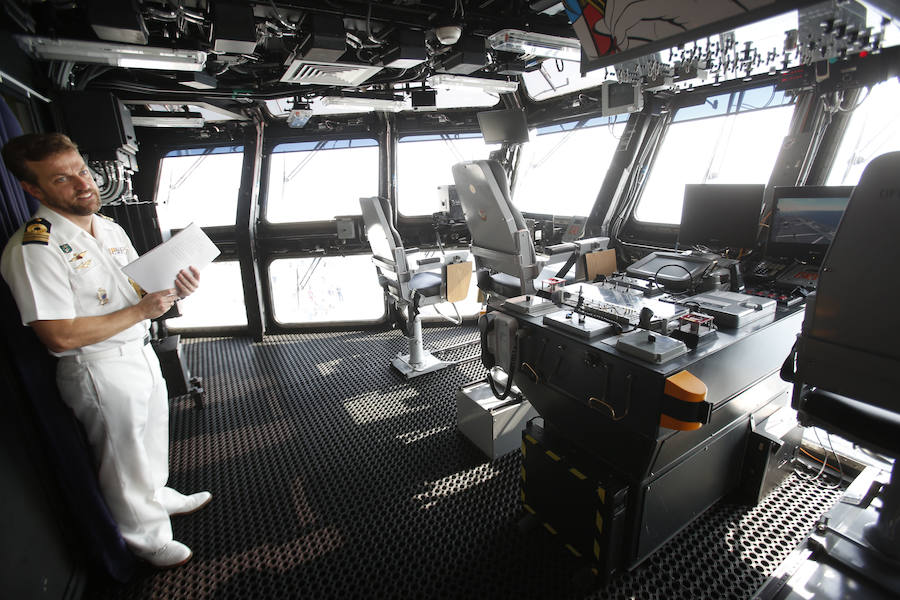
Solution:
(323, 73)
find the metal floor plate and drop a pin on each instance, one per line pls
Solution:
(334, 477)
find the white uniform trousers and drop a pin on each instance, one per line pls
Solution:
(120, 398)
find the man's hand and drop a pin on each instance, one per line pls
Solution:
(187, 282)
(157, 303)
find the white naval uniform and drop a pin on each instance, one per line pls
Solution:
(114, 387)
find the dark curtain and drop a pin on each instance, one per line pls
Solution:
(66, 449)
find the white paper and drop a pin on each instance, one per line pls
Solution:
(156, 270)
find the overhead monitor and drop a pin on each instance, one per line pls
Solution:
(804, 220)
(503, 126)
(721, 215)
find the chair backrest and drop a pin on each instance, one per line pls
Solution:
(387, 247)
(500, 239)
(847, 345)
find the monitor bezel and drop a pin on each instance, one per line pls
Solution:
(758, 188)
(807, 253)
(495, 117)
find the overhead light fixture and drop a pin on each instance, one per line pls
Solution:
(535, 44)
(443, 80)
(161, 118)
(385, 104)
(117, 55)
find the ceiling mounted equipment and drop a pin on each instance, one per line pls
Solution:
(117, 55)
(117, 21)
(443, 80)
(233, 27)
(324, 73)
(161, 118)
(535, 44)
(325, 42)
(383, 104)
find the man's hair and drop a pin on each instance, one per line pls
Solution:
(33, 147)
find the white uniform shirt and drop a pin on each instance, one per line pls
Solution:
(73, 275)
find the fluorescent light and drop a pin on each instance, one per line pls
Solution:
(361, 101)
(117, 55)
(167, 119)
(536, 44)
(444, 80)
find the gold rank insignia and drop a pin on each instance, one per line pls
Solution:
(102, 216)
(102, 296)
(37, 231)
(140, 291)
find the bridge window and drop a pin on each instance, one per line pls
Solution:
(563, 166)
(199, 186)
(731, 138)
(873, 130)
(317, 181)
(326, 289)
(424, 163)
(218, 302)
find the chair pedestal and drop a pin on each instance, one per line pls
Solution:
(419, 361)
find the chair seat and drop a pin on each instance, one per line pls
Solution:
(426, 283)
(874, 427)
(509, 286)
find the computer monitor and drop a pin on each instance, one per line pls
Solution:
(503, 126)
(804, 220)
(721, 215)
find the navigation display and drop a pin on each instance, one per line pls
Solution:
(805, 219)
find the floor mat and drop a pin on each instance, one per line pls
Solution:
(335, 478)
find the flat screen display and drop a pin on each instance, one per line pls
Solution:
(721, 215)
(804, 220)
(503, 126)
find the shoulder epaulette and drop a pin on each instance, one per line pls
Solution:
(102, 216)
(37, 231)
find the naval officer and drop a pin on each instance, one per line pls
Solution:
(64, 270)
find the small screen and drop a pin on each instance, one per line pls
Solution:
(721, 215)
(805, 219)
(621, 94)
(503, 126)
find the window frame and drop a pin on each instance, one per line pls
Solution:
(277, 326)
(468, 133)
(634, 230)
(189, 150)
(272, 227)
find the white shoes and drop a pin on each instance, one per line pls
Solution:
(173, 554)
(177, 504)
(192, 504)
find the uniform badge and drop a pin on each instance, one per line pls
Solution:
(84, 264)
(118, 250)
(78, 256)
(37, 231)
(102, 296)
(66, 248)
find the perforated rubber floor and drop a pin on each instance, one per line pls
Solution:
(335, 478)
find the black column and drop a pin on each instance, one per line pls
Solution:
(245, 230)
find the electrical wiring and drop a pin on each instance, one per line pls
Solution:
(824, 463)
